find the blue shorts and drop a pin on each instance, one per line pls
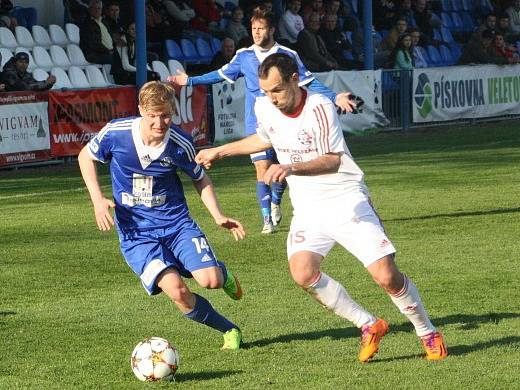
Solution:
(268, 154)
(149, 253)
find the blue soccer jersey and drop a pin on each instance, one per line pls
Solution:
(146, 188)
(245, 63)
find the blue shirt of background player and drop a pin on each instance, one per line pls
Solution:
(132, 164)
(245, 64)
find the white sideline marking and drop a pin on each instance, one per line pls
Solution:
(46, 193)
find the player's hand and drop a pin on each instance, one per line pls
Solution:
(206, 156)
(344, 102)
(232, 225)
(277, 173)
(181, 78)
(104, 219)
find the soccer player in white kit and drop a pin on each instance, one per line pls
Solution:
(330, 201)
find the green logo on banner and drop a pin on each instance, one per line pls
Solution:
(423, 95)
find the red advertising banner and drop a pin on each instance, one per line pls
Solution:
(76, 116)
(24, 128)
(192, 113)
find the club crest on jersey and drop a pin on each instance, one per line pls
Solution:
(305, 137)
(296, 158)
(166, 162)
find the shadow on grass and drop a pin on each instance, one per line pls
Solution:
(466, 321)
(204, 375)
(458, 214)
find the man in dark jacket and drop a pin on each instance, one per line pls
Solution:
(476, 51)
(16, 77)
(95, 39)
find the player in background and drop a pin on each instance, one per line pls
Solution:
(158, 238)
(331, 204)
(245, 64)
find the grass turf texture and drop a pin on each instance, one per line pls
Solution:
(71, 311)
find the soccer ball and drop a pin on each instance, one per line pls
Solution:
(154, 359)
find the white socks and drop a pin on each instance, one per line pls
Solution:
(334, 297)
(409, 303)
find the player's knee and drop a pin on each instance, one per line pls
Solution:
(389, 281)
(303, 277)
(210, 280)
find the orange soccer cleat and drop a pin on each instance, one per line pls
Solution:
(371, 335)
(434, 346)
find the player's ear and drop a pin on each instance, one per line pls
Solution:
(141, 110)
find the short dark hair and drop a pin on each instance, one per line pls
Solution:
(259, 13)
(285, 64)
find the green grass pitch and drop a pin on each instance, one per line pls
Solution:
(71, 311)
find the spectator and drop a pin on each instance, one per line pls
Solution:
(402, 56)
(489, 24)
(16, 78)
(207, 17)
(6, 20)
(235, 28)
(332, 7)
(498, 48)
(224, 56)
(312, 6)
(95, 39)
(313, 50)
(384, 14)
(476, 51)
(420, 61)
(290, 24)
(380, 55)
(158, 27)
(350, 21)
(126, 72)
(423, 19)
(405, 10)
(113, 24)
(397, 30)
(179, 11)
(514, 17)
(336, 42)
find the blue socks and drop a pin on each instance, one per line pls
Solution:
(205, 314)
(277, 190)
(263, 194)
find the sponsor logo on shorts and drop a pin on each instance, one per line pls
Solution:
(384, 243)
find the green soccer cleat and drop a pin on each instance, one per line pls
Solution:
(232, 340)
(232, 287)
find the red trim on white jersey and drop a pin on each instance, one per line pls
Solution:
(299, 109)
(323, 123)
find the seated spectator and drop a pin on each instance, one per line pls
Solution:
(503, 28)
(312, 48)
(358, 41)
(490, 23)
(6, 20)
(423, 17)
(384, 14)
(207, 17)
(312, 6)
(350, 21)
(498, 48)
(402, 56)
(94, 37)
(332, 7)
(420, 61)
(16, 78)
(224, 56)
(476, 51)
(113, 24)
(125, 73)
(514, 17)
(179, 11)
(336, 42)
(397, 30)
(405, 9)
(76, 11)
(235, 28)
(290, 24)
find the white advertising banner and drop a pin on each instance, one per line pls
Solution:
(24, 126)
(442, 94)
(228, 103)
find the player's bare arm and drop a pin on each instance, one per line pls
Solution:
(248, 145)
(344, 102)
(101, 204)
(328, 163)
(181, 78)
(207, 194)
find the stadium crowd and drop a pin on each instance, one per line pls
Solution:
(328, 34)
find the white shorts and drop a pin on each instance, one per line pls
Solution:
(353, 224)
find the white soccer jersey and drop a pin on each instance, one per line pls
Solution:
(314, 130)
